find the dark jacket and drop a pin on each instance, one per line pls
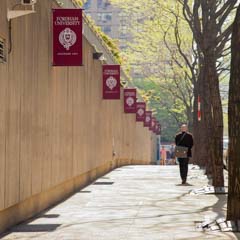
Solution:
(187, 141)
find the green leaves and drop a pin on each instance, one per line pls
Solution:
(161, 58)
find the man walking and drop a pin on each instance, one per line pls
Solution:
(184, 139)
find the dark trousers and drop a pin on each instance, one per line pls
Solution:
(183, 165)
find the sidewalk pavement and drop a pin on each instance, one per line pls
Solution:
(131, 203)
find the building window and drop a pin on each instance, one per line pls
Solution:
(108, 16)
(99, 17)
(139, 28)
(99, 3)
(107, 29)
(123, 43)
(137, 71)
(123, 21)
(2, 50)
(106, 4)
(103, 4)
(123, 31)
(123, 46)
(104, 17)
(87, 5)
(123, 18)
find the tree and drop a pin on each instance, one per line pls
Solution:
(211, 29)
(165, 66)
(166, 107)
(160, 23)
(233, 210)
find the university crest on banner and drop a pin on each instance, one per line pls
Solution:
(111, 81)
(130, 99)
(140, 111)
(148, 119)
(67, 37)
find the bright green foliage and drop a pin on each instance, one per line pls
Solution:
(110, 43)
(166, 107)
(161, 43)
(79, 2)
(113, 47)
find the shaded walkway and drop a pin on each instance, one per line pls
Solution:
(130, 203)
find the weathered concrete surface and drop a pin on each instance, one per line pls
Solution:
(131, 203)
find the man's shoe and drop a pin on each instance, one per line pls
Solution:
(184, 181)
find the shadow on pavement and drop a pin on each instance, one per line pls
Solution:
(50, 216)
(184, 185)
(36, 228)
(221, 202)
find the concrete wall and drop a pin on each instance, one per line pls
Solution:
(56, 132)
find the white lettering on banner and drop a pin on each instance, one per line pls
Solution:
(64, 54)
(130, 94)
(60, 21)
(111, 72)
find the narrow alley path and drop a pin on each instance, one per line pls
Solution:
(131, 203)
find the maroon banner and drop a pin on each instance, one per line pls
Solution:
(111, 81)
(67, 37)
(153, 124)
(140, 111)
(130, 99)
(156, 127)
(148, 119)
(158, 132)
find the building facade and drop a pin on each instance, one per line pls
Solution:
(111, 19)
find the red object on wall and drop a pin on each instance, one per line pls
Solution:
(130, 99)
(140, 111)
(199, 109)
(148, 118)
(67, 37)
(111, 81)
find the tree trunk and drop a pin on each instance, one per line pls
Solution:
(196, 132)
(199, 130)
(207, 122)
(233, 210)
(215, 119)
(213, 103)
(189, 111)
(203, 128)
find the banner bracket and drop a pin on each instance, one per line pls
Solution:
(11, 14)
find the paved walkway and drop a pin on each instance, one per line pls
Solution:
(131, 203)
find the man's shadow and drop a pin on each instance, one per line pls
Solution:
(184, 185)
